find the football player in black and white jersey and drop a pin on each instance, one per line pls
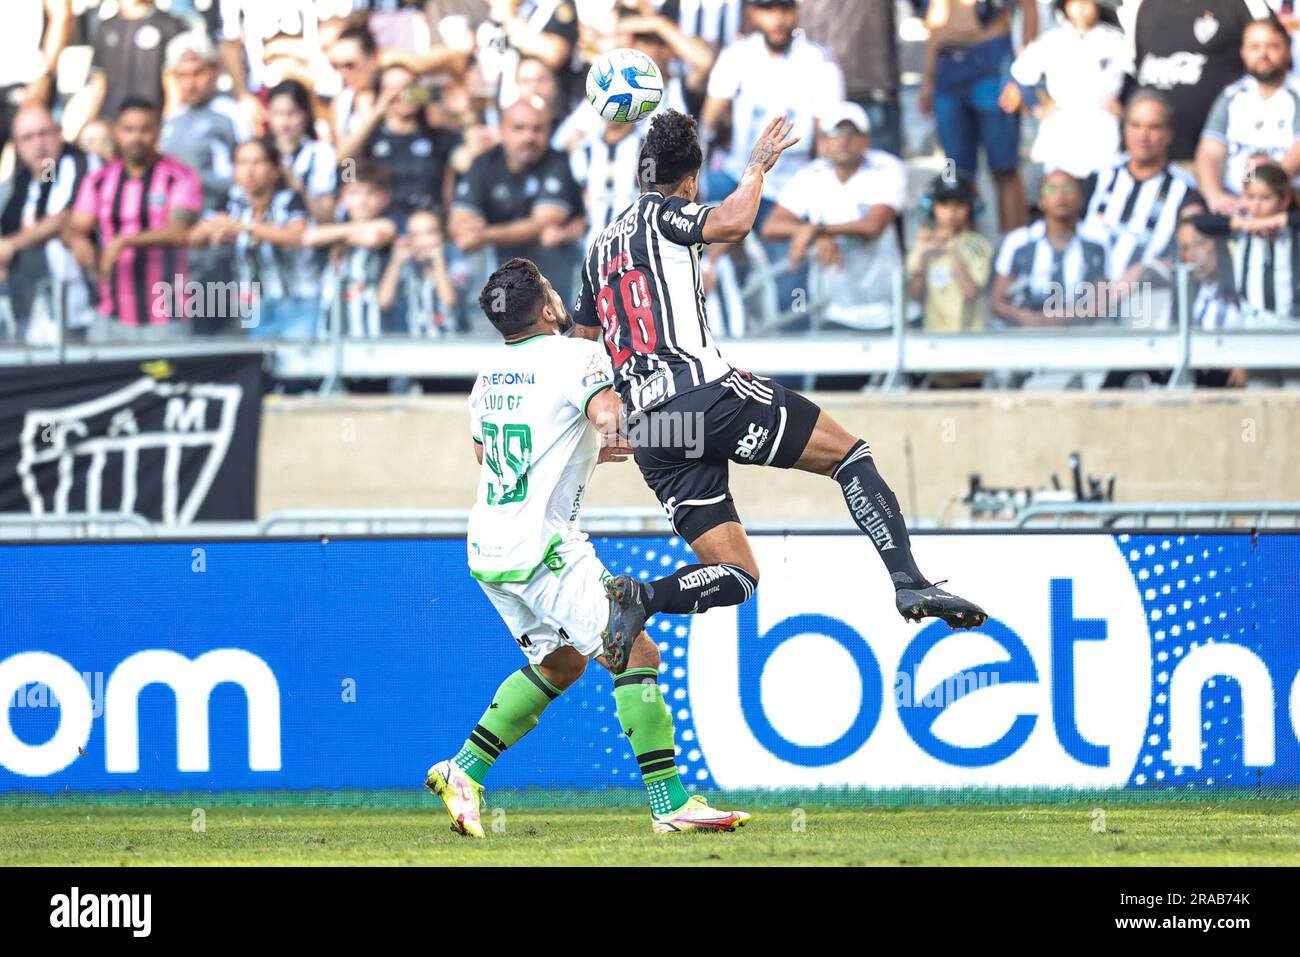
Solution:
(642, 293)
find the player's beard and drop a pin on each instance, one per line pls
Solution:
(564, 321)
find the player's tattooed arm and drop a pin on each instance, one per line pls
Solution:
(732, 220)
(771, 145)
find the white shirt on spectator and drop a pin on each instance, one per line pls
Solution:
(859, 292)
(315, 164)
(715, 21)
(800, 83)
(21, 60)
(1248, 125)
(253, 22)
(1081, 73)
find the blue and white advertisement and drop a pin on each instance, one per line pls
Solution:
(1109, 661)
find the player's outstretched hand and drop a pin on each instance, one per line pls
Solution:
(772, 143)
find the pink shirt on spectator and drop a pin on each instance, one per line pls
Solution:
(124, 207)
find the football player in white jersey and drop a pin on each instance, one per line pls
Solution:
(534, 413)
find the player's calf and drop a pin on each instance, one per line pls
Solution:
(689, 590)
(515, 710)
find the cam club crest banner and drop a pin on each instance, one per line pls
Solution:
(170, 440)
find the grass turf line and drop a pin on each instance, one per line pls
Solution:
(1212, 832)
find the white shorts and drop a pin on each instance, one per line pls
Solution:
(567, 607)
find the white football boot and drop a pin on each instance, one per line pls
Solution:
(460, 794)
(696, 815)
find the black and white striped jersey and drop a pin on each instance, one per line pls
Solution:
(641, 283)
(1135, 219)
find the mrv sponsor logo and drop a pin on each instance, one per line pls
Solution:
(813, 685)
(75, 909)
(191, 682)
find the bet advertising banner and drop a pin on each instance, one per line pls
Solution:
(1135, 661)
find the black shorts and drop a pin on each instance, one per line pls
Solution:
(684, 446)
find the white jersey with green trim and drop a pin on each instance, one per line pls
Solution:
(528, 409)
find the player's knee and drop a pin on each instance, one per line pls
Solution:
(562, 670)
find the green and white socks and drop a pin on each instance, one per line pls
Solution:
(649, 728)
(646, 720)
(515, 710)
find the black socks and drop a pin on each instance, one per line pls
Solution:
(875, 509)
(696, 588)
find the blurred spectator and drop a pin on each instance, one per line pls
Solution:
(417, 279)
(775, 70)
(1266, 245)
(863, 39)
(45, 184)
(546, 29)
(1214, 302)
(355, 57)
(36, 31)
(716, 22)
(310, 164)
(1047, 273)
(266, 41)
(967, 59)
(263, 222)
(534, 79)
(684, 59)
(1258, 114)
(400, 27)
(1080, 65)
(1286, 14)
(842, 208)
(140, 209)
(396, 134)
(404, 34)
(362, 246)
(128, 60)
(520, 198)
(949, 265)
(1191, 53)
(1134, 205)
(96, 139)
(207, 126)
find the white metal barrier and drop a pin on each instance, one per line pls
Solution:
(1116, 515)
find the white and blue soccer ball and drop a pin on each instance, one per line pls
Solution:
(624, 85)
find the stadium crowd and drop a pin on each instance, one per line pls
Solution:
(254, 167)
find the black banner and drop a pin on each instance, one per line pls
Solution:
(171, 440)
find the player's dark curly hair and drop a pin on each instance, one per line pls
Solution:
(670, 153)
(513, 296)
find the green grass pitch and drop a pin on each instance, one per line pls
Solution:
(1188, 831)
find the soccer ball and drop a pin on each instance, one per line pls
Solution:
(624, 86)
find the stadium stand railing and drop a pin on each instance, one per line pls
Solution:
(888, 356)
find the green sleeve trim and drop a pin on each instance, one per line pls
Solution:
(593, 392)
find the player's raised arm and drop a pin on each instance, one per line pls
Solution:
(731, 221)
